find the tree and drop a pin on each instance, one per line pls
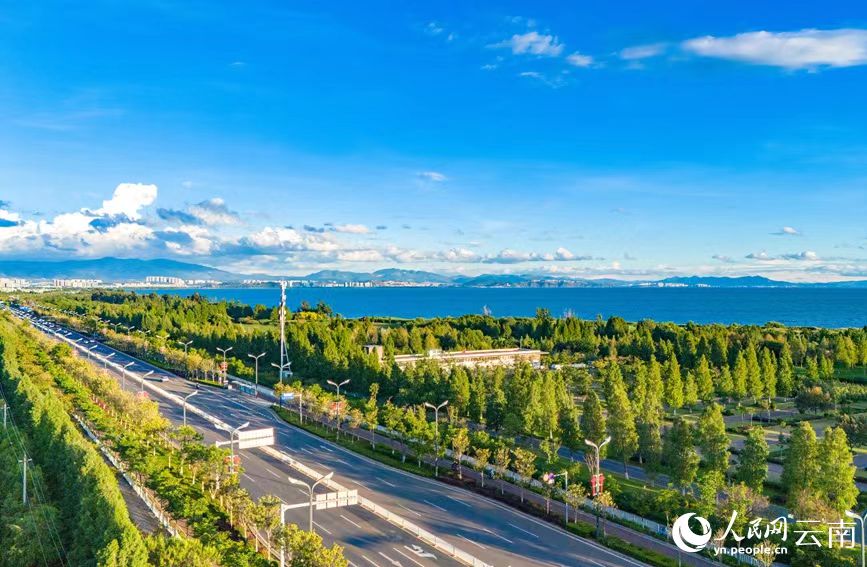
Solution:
(755, 388)
(592, 422)
(690, 390)
(621, 425)
(836, 480)
(769, 375)
(786, 372)
(680, 455)
(460, 443)
(800, 467)
(753, 461)
(673, 385)
(525, 466)
(726, 383)
(649, 420)
(712, 438)
(483, 457)
(704, 380)
(739, 377)
(267, 515)
(502, 460)
(371, 413)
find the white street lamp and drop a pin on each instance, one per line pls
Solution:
(105, 359)
(436, 433)
(142, 379)
(187, 397)
(123, 375)
(310, 491)
(339, 405)
(225, 367)
(861, 520)
(598, 464)
(256, 358)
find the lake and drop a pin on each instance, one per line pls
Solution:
(821, 307)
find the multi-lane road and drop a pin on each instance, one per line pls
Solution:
(492, 532)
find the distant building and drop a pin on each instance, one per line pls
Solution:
(468, 358)
(77, 283)
(10, 284)
(164, 280)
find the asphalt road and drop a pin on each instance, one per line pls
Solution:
(492, 532)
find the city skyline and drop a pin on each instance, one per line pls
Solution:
(630, 143)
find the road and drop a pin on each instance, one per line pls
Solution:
(489, 530)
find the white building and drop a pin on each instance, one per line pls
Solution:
(77, 283)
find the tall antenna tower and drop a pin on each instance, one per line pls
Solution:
(283, 354)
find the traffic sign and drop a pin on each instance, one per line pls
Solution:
(336, 499)
(597, 484)
(249, 438)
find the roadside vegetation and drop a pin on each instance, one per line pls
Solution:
(676, 400)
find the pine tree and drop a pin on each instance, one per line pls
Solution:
(755, 388)
(621, 425)
(753, 461)
(800, 467)
(726, 384)
(593, 420)
(680, 454)
(690, 390)
(786, 372)
(704, 380)
(650, 419)
(712, 438)
(769, 375)
(739, 377)
(673, 384)
(836, 480)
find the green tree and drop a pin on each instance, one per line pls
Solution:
(712, 438)
(460, 444)
(836, 480)
(673, 385)
(680, 454)
(621, 425)
(371, 413)
(525, 466)
(704, 380)
(753, 460)
(482, 458)
(800, 467)
(739, 377)
(592, 421)
(755, 387)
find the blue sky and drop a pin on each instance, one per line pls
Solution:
(608, 139)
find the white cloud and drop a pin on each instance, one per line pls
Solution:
(433, 28)
(435, 176)
(213, 212)
(532, 43)
(352, 228)
(805, 49)
(128, 200)
(563, 254)
(579, 60)
(758, 256)
(639, 52)
(807, 255)
(788, 231)
(360, 256)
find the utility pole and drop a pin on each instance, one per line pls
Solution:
(5, 410)
(282, 314)
(256, 358)
(437, 433)
(24, 483)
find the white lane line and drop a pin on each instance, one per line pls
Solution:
(390, 560)
(360, 484)
(366, 558)
(272, 472)
(325, 448)
(408, 557)
(302, 492)
(321, 528)
(523, 530)
(383, 481)
(350, 521)
(341, 461)
(248, 477)
(461, 502)
(434, 505)
(408, 509)
(507, 540)
(471, 541)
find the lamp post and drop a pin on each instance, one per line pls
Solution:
(339, 406)
(861, 520)
(142, 379)
(129, 329)
(256, 358)
(437, 433)
(105, 360)
(225, 364)
(551, 477)
(232, 433)
(310, 492)
(187, 397)
(123, 375)
(90, 350)
(598, 463)
(287, 367)
(185, 345)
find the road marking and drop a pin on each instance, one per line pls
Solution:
(461, 502)
(382, 480)
(350, 521)
(368, 560)
(409, 510)
(408, 557)
(523, 530)
(325, 448)
(435, 506)
(507, 540)
(341, 461)
(360, 484)
(272, 472)
(390, 560)
(471, 541)
(248, 477)
(321, 528)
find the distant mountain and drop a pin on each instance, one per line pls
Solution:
(494, 280)
(386, 275)
(111, 270)
(715, 281)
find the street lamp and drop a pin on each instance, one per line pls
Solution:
(287, 367)
(337, 386)
(105, 359)
(861, 520)
(232, 433)
(225, 364)
(129, 329)
(437, 433)
(142, 379)
(598, 463)
(91, 349)
(185, 345)
(123, 375)
(256, 358)
(549, 478)
(187, 397)
(310, 491)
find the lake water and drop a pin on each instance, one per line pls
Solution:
(791, 306)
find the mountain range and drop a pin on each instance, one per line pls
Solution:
(122, 270)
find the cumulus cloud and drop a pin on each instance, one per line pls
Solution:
(805, 255)
(758, 256)
(434, 176)
(804, 49)
(579, 60)
(128, 199)
(788, 231)
(638, 52)
(532, 43)
(211, 212)
(351, 228)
